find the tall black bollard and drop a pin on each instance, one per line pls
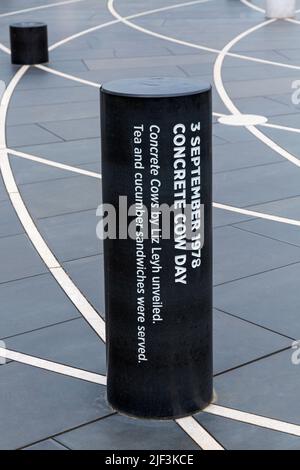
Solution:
(157, 149)
(29, 43)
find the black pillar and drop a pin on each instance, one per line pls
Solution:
(29, 43)
(157, 149)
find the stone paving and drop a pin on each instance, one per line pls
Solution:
(55, 116)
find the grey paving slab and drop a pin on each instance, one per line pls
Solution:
(276, 230)
(242, 254)
(289, 208)
(50, 198)
(36, 79)
(254, 71)
(33, 303)
(270, 299)
(54, 112)
(223, 217)
(19, 259)
(263, 87)
(10, 224)
(286, 98)
(29, 134)
(3, 192)
(240, 436)
(243, 155)
(37, 404)
(88, 275)
(24, 98)
(262, 106)
(266, 388)
(64, 54)
(230, 133)
(75, 129)
(72, 236)
(48, 445)
(73, 343)
(121, 433)
(253, 186)
(237, 342)
(183, 61)
(71, 153)
(105, 75)
(288, 140)
(27, 171)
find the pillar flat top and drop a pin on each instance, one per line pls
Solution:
(28, 24)
(155, 87)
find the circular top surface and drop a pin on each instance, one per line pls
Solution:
(155, 87)
(28, 24)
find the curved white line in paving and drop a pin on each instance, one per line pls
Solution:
(41, 7)
(254, 7)
(266, 124)
(110, 23)
(204, 440)
(53, 366)
(258, 215)
(81, 303)
(256, 420)
(126, 21)
(231, 106)
(61, 166)
(67, 76)
(190, 425)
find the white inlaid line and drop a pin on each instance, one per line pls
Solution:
(53, 366)
(53, 263)
(78, 299)
(231, 106)
(254, 7)
(67, 76)
(62, 166)
(204, 440)
(256, 420)
(41, 7)
(260, 215)
(126, 21)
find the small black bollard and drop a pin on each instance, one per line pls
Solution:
(157, 149)
(29, 43)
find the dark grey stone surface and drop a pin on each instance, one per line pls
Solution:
(18, 259)
(10, 224)
(270, 299)
(236, 342)
(62, 196)
(241, 254)
(49, 444)
(72, 236)
(88, 275)
(36, 404)
(33, 303)
(234, 435)
(267, 388)
(121, 433)
(73, 343)
(18, 136)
